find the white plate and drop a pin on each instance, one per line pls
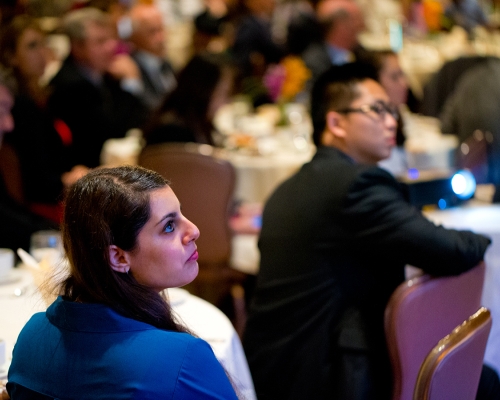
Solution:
(12, 277)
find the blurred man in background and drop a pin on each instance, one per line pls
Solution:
(148, 38)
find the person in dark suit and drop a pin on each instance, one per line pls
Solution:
(148, 37)
(93, 92)
(334, 243)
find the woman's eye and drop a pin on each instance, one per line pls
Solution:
(169, 227)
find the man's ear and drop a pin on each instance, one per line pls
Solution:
(119, 259)
(333, 128)
(334, 123)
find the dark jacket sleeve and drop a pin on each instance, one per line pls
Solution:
(382, 221)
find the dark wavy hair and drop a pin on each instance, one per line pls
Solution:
(110, 206)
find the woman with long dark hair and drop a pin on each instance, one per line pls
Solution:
(111, 333)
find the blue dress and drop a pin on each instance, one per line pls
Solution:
(88, 351)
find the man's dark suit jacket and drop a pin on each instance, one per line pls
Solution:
(334, 242)
(154, 91)
(93, 113)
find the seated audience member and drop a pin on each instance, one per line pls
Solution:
(214, 26)
(126, 240)
(86, 93)
(204, 84)
(148, 38)
(340, 22)
(334, 242)
(474, 105)
(39, 141)
(466, 13)
(254, 48)
(16, 222)
(392, 78)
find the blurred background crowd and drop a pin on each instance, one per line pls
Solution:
(88, 71)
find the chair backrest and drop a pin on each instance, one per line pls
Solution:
(420, 312)
(204, 186)
(453, 367)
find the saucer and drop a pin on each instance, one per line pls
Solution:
(12, 277)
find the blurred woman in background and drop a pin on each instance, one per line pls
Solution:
(391, 77)
(203, 86)
(38, 140)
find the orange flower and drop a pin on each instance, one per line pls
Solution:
(296, 76)
(287, 79)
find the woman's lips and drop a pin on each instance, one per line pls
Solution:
(194, 256)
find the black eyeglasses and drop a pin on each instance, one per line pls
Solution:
(380, 108)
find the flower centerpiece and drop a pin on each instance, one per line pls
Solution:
(284, 81)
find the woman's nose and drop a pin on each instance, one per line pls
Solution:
(192, 232)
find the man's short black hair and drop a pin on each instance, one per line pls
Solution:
(335, 89)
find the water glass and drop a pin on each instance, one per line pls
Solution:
(46, 245)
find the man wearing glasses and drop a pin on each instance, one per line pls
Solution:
(334, 242)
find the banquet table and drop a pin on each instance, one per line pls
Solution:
(19, 300)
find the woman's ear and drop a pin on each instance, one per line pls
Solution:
(119, 259)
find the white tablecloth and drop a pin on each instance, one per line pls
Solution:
(481, 218)
(258, 176)
(205, 320)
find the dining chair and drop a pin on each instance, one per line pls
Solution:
(452, 369)
(420, 312)
(204, 186)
